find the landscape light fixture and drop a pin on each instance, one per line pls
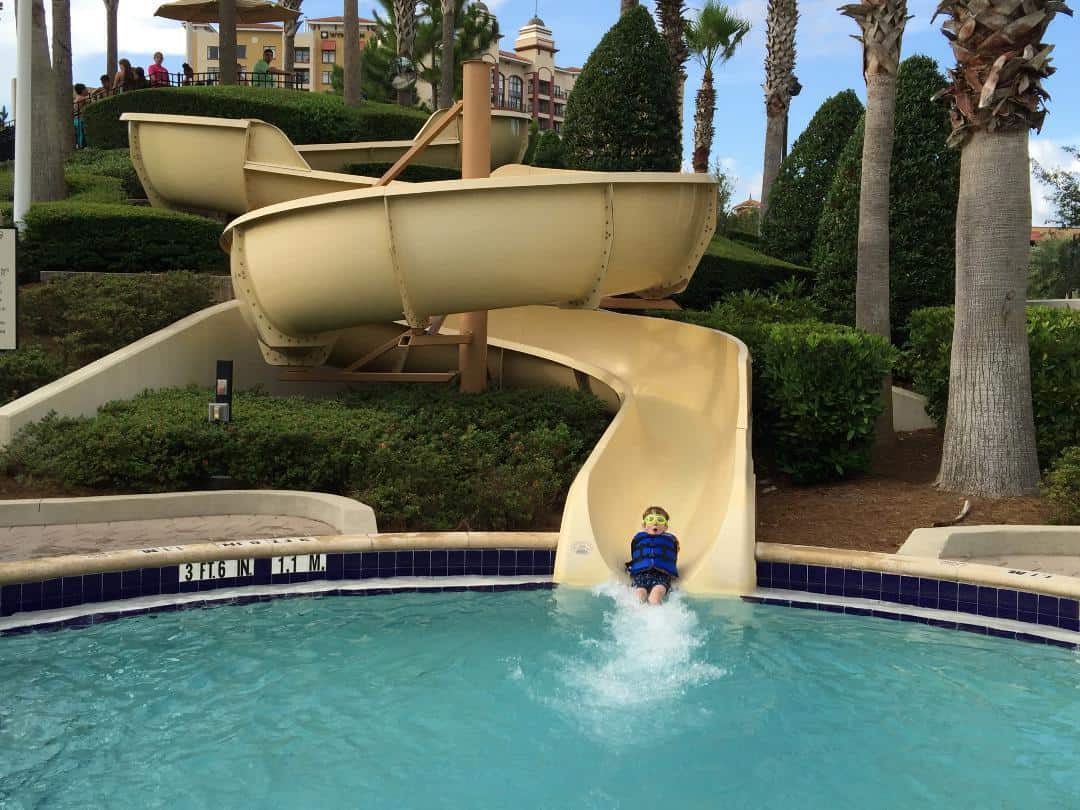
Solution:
(220, 410)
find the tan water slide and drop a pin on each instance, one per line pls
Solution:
(539, 249)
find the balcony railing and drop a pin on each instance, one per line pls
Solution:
(514, 104)
(244, 78)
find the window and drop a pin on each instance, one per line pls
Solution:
(211, 53)
(516, 93)
(329, 57)
(545, 106)
(326, 77)
(557, 126)
(302, 76)
(560, 110)
(545, 88)
(302, 56)
(498, 95)
(241, 51)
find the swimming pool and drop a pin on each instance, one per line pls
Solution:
(537, 699)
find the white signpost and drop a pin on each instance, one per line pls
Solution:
(7, 288)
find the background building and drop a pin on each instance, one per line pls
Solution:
(527, 79)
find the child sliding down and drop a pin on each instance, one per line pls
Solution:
(653, 553)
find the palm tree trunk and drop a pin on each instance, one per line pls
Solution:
(352, 54)
(626, 5)
(872, 286)
(446, 63)
(111, 7)
(227, 41)
(405, 31)
(288, 39)
(61, 58)
(703, 123)
(774, 154)
(990, 431)
(46, 158)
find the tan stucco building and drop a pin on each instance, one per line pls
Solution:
(527, 80)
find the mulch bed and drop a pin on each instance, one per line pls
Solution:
(878, 511)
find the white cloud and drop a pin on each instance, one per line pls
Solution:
(1049, 155)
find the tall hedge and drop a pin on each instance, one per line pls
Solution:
(118, 239)
(924, 184)
(729, 266)
(304, 117)
(550, 152)
(623, 114)
(805, 177)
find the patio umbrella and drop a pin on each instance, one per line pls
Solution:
(207, 11)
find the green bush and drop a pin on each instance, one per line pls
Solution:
(304, 117)
(412, 174)
(423, 459)
(26, 368)
(87, 317)
(118, 239)
(924, 180)
(1062, 488)
(730, 265)
(623, 115)
(1054, 344)
(550, 153)
(93, 188)
(534, 140)
(110, 163)
(1054, 271)
(816, 386)
(805, 177)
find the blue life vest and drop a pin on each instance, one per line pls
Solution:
(653, 551)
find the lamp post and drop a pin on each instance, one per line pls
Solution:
(23, 72)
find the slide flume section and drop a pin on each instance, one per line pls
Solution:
(539, 249)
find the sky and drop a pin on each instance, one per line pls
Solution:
(828, 61)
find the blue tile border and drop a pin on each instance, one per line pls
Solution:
(947, 595)
(91, 619)
(114, 586)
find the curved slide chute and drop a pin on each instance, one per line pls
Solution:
(509, 243)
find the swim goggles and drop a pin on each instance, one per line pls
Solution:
(655, 520)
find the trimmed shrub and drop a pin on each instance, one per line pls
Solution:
(93, 188)
(924, 183)
(110, 163)
(118, 239)
(412, 174)
(25, 369)
(87, 317)
(1054, 343)
(729, 266)
(550, 153)
(1062, 488)
(816, 386)
(805, 177)
(304, 117)
(423, 459)
(623, 115)
(534, 139)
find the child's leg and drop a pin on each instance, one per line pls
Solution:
(641, 594)
(656, 596)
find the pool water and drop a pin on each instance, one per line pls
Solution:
(532, 699)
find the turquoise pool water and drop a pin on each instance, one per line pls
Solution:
(532, 699)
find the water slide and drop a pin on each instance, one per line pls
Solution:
(539, 249)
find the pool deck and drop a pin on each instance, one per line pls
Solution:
(33, 542)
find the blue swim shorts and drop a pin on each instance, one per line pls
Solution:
(650, 579)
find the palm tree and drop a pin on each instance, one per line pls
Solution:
(780, 86)
(111, 8)
(672, 14)
(288, 35)
(446, 57)
(62, 79)
(351, 89)
(715, 34)
(405, 34)
(471, 31)
(995, 97)
(227, 42)
(46, 161)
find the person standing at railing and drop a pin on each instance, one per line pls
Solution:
(158, 73)
(82, 97)
(189, 74)
(125, 77)
(262, 74)
(106, 86)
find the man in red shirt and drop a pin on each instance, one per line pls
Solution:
(159, 76)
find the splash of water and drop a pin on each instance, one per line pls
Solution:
(641, 664)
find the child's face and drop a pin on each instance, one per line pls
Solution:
(654, 524)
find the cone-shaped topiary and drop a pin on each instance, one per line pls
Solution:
(623, 113)
(924, 183)
(549, 151)
(805, 177)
